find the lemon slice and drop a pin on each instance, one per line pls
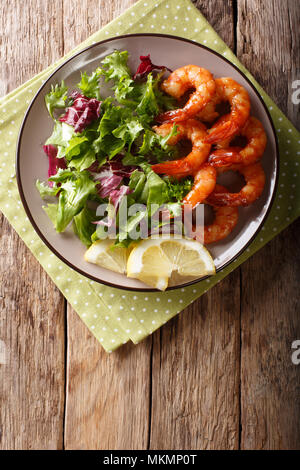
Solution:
(102, 253)
(158, 261)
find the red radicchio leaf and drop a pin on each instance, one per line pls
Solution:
(117, 194)
(111, 176)
(146, 67)
(109, 181)
(107, 222)
(115, 197)
(82, 112)
(54, 163)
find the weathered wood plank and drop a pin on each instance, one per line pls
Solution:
(195, 374)
(268, 44)
(220, 14)
(31, 308)
(195, 371)
(107, 402)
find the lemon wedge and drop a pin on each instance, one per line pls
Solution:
(102, 254)
(159, 262)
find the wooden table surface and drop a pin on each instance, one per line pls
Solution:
(219, 375)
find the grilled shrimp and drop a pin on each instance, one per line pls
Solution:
(229, 90)
(209, 113)
(225, 220)
(257, 141)
(182, 80)
(193, 130)
(255, 180)
(204, 184)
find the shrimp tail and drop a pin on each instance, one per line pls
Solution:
(225, 157)
(170, 116)
(173, 168)
(222, 132)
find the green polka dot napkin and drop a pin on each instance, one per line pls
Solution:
(116, 316)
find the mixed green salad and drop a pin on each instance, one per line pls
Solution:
(102, 148)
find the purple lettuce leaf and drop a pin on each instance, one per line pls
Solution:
(82, 112)
(54, 162)
(146, 67)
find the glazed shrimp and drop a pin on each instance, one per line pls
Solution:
(225, 220)
(209, 113)
(231, 91)
(182, 80)
(193, 130)
(257, 141)
(204, 184)
(255, 181)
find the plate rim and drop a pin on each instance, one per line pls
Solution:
(60, 256)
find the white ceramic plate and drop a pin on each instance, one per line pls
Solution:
(37, 127)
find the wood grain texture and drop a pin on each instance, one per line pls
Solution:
(268, 45)
(107, 401)
(220, 15)
(31, 307)
(195, 374)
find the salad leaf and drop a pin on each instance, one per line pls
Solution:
(178, 189)
(164, 101)
(115, 65)
(54, 162)
(84, 160)
(60, 137)
(109, 182)
(129, 131)
(89, 84)
(74, 146)
(156, 145)
(137, 183)
(126, 231)
(46, 190)
(117, 194)
(148, 188)
(83, 227)
(110, 177)
(115, 68)
(51, 211)
(57, 97)
(79, 153)
(135, 160)
(82, 112)
(146, 66)
(118, 128)
(76, 187)
(148, 106)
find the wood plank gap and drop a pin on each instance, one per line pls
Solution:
(65, 371)
(240, 361)
(235, 21)
(150, 395)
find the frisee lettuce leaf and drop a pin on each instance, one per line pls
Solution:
(156, 145)
(57, 97)
(178, 189)
(83, 227)
(46, 190)
(76, 187)
(89, 84)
